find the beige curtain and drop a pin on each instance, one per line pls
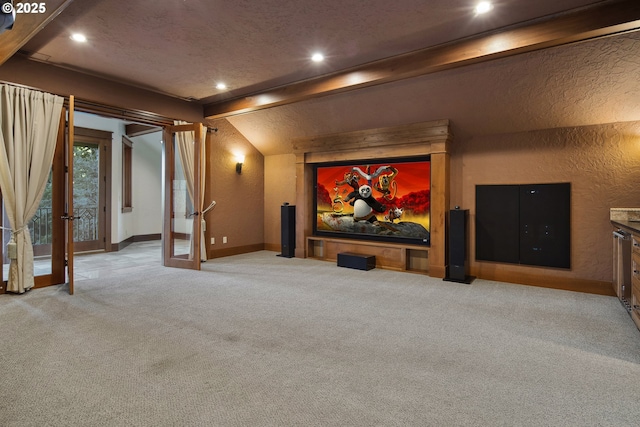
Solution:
(28, 133)
(185, 143)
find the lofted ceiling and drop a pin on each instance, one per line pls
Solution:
(183, 48)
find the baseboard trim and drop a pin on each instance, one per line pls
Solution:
(597, 287)
(133, 239)
(238, 250)
(274, 247)
(147, 237)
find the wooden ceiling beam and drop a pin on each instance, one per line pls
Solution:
(601, 19)
(28, 25)
(137, 129)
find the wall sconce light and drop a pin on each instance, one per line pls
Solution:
(239, 162)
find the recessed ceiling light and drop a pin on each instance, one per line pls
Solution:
(483, 7)
(221, 86)
(78, 37)
(317, 57)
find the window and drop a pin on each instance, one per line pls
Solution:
(127, 185)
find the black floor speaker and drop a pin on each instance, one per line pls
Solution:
(458, 267)
(288, 230)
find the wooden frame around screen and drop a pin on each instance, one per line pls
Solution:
(418, 139)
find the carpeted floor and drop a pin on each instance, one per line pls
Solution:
(259, 340)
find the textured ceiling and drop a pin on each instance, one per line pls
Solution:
(583, 84)
(184, 47)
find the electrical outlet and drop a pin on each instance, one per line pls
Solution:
(224, 239)
(213, 240)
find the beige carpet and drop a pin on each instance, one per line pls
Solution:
(259, 340)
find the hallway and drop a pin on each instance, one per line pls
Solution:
(135, 257)
(89, 265)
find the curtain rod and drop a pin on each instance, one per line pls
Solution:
(4, 82)
(137, 116)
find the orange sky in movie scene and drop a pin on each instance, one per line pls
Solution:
(411, 177)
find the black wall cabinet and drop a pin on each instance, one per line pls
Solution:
(524, 224)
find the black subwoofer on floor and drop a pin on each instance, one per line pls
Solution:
(458, 268)
(288, 230)
(357, 261)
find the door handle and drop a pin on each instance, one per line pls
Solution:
(69, 218)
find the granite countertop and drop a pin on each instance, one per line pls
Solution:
(633, 226)
(628, 218)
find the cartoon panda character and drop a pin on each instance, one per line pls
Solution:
(365, 204)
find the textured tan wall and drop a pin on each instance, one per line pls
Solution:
(238, 214)
(279, 187)
(582, 84)
(602, 163)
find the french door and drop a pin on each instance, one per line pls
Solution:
(182, 172)
(47, 227)
(67, 216)
(91, 196)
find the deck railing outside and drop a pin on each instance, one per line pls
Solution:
(85, 226)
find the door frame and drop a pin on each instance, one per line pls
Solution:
(103, 139)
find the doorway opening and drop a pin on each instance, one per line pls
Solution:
(92, 190)
(92, 197)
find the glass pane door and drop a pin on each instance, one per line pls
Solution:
(183, 146)
(86, 197)
(41, 229)
(182, 206)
